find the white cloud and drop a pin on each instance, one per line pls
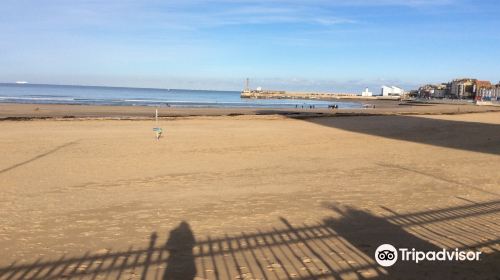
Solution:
(190, 14)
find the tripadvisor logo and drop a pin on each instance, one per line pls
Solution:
(387, 255)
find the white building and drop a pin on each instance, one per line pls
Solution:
(367, 93)
(392, 91)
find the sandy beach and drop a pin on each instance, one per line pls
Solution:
(236, 195)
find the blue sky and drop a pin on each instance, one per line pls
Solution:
(325, 45)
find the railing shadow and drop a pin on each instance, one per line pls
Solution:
(339, 247)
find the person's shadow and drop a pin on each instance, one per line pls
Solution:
(180, 262)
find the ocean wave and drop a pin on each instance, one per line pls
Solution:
(52, 94)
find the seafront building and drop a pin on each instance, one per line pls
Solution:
(367, 93)
(489, 93)
(466, 88)
(392, 91)
(434, 91)
(463, 88)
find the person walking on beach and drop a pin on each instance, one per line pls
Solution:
(158, 131)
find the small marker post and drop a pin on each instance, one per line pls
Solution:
(157, 129)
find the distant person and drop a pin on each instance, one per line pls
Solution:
(158, 132)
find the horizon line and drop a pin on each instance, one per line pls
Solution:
(107, 86)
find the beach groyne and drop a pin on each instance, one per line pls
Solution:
(276, 94)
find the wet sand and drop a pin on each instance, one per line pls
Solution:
(42, 111)
(245, 197)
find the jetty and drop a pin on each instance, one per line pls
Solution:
(278, 94)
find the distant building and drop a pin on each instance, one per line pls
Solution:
(367, 93)
(463, 88)
(413, 93)
(481, 86)
(433, 91)
(469, 88)
(489, 92)
(392, 91)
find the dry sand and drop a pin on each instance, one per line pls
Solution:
(248, 197)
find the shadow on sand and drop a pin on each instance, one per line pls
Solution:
(468, 136)
(180, 259)
(42, 155)
(339, 247)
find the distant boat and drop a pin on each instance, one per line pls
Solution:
(21, 82)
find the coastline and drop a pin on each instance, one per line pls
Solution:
(11, 111)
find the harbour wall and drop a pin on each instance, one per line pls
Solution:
(275, 94)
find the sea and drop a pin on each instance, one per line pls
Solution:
(125, 96)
